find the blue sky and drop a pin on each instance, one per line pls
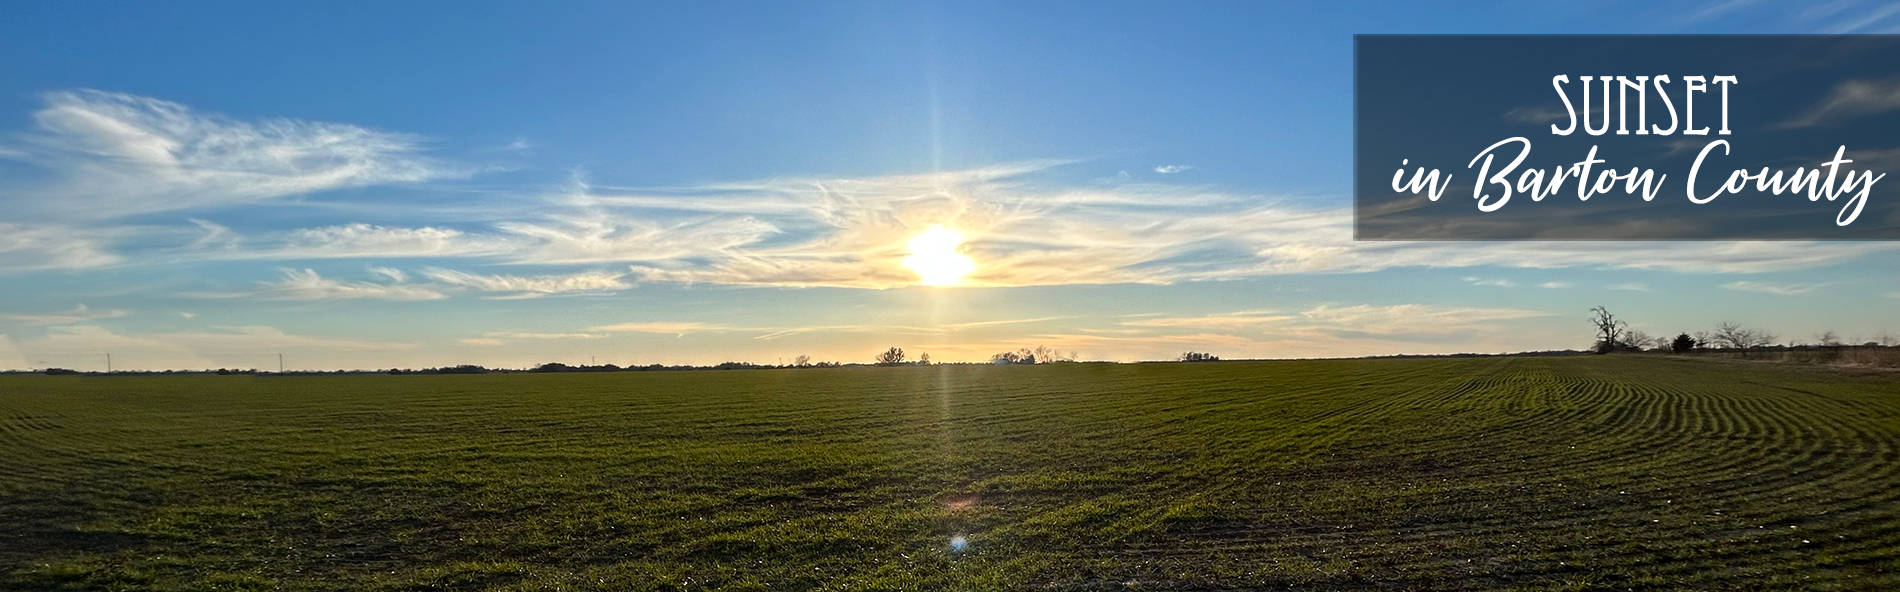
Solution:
(364, 186)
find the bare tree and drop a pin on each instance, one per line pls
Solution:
(1827, 338)
(1729, 335)
(923, 359)
(1609, 330)
(1734, 336)
(1762, 339)
(1637, 340)
(891, 357)
(801, 360)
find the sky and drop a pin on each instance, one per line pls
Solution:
(377, 185)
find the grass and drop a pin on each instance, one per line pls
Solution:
(1634, 472)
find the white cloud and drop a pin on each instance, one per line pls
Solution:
(309, 285)
(1861, 21)
(116, 155)
(781, 332)
(390, 273)
(1555, 285)
(366, 240)
(254, 338)
(597, 238)
(1227, 321)
(1497, 283)
(1169, 169)
(10, 356)
(977, 324)
(1850, 99)
(187, 315)
(78, 314)
(54, 246)
(1631, 287)
(530, 286)
(1408, 319)
(513, 335)
(348, 241)
(240, 346)
(661, 327)
(483, 341)
(1768, 288)
(852, 232)
(1364, 321)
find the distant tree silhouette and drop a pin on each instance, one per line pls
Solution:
(1734, 336)
(801, 360)
(923, 359)
(1827, 339)
(1637, 340)
(1199, 357)
(1609, 330)
(1683, 343)
(891, 357)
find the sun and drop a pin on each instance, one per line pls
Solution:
(934, 256)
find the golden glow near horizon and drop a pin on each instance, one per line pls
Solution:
(935, 258)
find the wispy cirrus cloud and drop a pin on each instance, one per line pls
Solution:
(10, 356)
(220, 346)
(1169, 169)
(111, 155)
(368, 241)
(1848, 100)
(530, 286)
(55, 246)
(395, 284)
(114, 155)
(1773, 288)
(307, 284)
(1407, 320)
(661, 327)
(79, 314)
(530, 335)
(1364, 320)
(851, 233)
(1492, 282)
(1228, 321)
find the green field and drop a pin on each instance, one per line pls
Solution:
(1496, 473)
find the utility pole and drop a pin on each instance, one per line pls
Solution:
(108, 363)
(280, 363)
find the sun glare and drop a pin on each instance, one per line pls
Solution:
(934, 256)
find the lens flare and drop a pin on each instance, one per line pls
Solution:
(934, 256)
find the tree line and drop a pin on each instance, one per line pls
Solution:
(1614, 334)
